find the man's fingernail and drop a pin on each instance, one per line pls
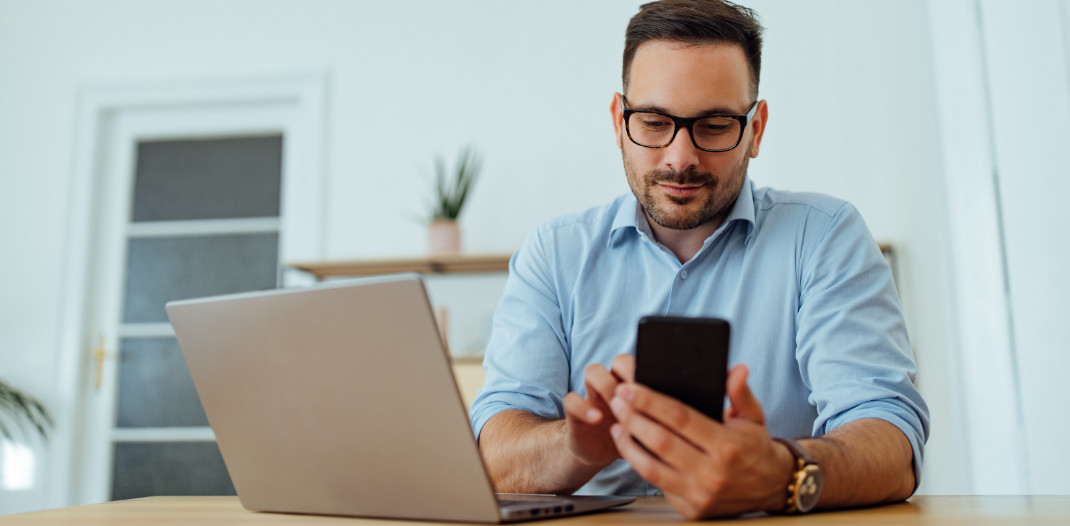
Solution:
(615, 430)
(593, 414)
(626, 392)
(617, 404)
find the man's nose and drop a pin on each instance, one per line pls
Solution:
(681, 153)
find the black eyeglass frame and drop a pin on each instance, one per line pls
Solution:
(689, 123)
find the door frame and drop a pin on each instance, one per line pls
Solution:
(297, 107)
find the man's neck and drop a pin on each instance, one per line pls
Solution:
(683, 243)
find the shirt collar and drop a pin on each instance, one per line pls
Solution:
(743, 210)
(625, 219)
(629, 216)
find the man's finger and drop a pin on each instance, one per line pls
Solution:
(687, 422)
(579, 408)
(623, 367)
(601, 381)
(744, 404)
(646, 465)
(661, 441)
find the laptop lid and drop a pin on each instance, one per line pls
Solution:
(337, 399)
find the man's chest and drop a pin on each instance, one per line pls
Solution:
(755, 290)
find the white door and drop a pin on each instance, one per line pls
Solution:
(191, 198)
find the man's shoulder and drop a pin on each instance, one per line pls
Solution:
(772, 200)
(593, 222)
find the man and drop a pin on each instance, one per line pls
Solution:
(818, 341)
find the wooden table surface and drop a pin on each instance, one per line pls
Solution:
(926, 509)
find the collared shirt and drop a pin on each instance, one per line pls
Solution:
(813, 311)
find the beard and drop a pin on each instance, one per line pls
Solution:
(685, 213)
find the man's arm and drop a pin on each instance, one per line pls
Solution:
(866, 461)
(526, 453)
(711, 469)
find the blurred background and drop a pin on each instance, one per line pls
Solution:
(307, 131)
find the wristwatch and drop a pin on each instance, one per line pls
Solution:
(806, 481)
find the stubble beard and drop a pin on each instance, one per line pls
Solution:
(717, 201)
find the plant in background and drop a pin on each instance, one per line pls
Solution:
(19, 409)
(452, 187)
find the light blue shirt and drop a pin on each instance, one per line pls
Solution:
(810, 299)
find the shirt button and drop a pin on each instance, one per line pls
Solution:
(683, 274)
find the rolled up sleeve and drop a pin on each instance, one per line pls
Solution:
(526, 362)
(852, 345)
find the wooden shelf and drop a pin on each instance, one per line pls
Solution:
(427, 265)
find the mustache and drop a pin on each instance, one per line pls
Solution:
(690, 176)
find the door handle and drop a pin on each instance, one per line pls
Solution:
(99, 354)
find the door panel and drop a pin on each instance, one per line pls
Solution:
(161, 269)
(155, 388)
(208, 179)
(144, 469)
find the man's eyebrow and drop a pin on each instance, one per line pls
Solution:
(717, 110)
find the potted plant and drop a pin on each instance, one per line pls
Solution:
(17, 410)
(450, 194)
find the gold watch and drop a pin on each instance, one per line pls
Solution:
(804, 489)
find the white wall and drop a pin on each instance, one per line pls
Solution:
(852, 113)
(1031, 123)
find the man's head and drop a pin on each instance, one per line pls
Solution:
(696, 22)
(689, 59)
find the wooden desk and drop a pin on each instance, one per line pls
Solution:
(928, 509)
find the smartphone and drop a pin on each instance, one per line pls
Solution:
(685, 358)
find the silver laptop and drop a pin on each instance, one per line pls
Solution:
(340, 400)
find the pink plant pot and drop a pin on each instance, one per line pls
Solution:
(445, 237)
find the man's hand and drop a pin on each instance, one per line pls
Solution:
(589, 419)
(705, 468)
(525, 453)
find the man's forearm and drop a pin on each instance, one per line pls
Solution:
(864, 462)
(525, 453)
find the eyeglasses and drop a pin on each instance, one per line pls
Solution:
(709, 133)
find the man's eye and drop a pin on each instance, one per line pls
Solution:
(712, 128)
(656, 124)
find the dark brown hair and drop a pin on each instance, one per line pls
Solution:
(696, 22)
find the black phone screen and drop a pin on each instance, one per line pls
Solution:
(685, 358)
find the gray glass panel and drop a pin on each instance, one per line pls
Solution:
(208, 179)
(155, 388)
(145, 469)
(164, 269)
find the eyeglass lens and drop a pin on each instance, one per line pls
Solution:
(656, 131)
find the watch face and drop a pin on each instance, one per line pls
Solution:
(808, 489)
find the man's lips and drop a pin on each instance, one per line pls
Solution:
(680, 190)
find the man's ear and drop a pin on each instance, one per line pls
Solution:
(616, 109)
(761, 117)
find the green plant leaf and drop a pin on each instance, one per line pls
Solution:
(22, 410)
(452, 188)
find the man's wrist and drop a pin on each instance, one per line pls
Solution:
(785, 471)
(580, 470)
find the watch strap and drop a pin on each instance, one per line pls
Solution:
(804, 488)
(797, 451)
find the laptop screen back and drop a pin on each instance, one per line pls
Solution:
(336, 400)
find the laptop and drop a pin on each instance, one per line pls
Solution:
(339, 399)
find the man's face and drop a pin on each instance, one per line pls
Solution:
(680, 186)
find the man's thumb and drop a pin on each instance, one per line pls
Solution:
(743, 402)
